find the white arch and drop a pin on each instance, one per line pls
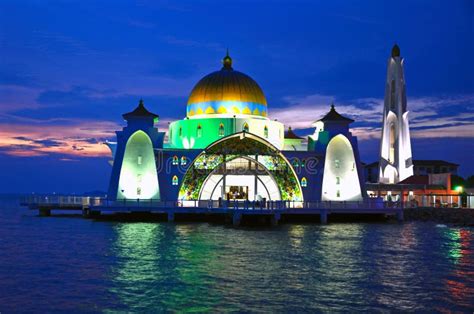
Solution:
(138, 176)
(266, 184)
(340, 178)
(390, 174)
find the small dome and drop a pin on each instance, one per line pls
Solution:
(227, 92)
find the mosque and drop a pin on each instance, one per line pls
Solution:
(227, 148)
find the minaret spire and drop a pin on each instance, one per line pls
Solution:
(395, 162)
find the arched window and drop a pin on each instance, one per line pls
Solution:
(175, 160)
(180, 131)
(221, 129)
(303, 163)
(392, 96)
(175, 180)
(265, 132)
(338, 180)
(304, 182)
(295, 163)
(184, 161)
(245, 128)
(199, 131)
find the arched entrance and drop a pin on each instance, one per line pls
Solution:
(138, 176)
(241, 166)
(340, 180)
(242, 178)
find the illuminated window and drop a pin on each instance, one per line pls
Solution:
(175, 180)
(180, 131)
(265, 132)
(139, 160)
(338, 180)
(245, 127)
(221, 129)
(183, 160)
(337, 164)
(199, 131)
(304, 183)
(175, 160)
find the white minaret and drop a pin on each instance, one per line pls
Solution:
(395, 163)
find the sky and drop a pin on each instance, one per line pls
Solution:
(70, 69)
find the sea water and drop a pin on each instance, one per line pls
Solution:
(69, 264)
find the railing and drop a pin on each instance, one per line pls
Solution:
(86, 201)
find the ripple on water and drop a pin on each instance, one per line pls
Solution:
(63, 263)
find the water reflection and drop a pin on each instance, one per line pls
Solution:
(460, 251)
(163, 266)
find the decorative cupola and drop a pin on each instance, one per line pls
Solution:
(140, 112)
(334, 117)
(292, 141)
(227, 62)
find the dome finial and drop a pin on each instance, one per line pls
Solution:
(395, 51)
(227, 61)
(332, 106)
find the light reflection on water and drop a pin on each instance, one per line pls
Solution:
(63, 264)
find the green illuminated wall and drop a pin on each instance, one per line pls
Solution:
(138, 176)
(190, 137)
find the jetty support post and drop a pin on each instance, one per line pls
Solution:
(236, 218)
(323, 216)
(275, 219)
(86, 213)
(44, 212)
(400, 217)
(170, 216)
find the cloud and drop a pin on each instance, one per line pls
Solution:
(79, 138)
(430, 117)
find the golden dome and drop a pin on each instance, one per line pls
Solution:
(227, 92)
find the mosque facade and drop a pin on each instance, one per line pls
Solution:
(227, 148)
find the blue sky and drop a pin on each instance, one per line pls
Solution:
(69, 69)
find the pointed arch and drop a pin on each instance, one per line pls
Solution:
(199, 131)
(221, 129)
(138, 176)
(340, 178)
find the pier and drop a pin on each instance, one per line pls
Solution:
(234, 211)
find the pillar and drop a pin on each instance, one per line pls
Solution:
(275, 219)
(323, 216)
(236, 218)
(86, 213)
(44, 212)
(400, 214)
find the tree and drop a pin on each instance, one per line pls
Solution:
(470, 182)
(457, 181)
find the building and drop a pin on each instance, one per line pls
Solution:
(420, 167)
(395, 148)
(227, 148)
(432, 190)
